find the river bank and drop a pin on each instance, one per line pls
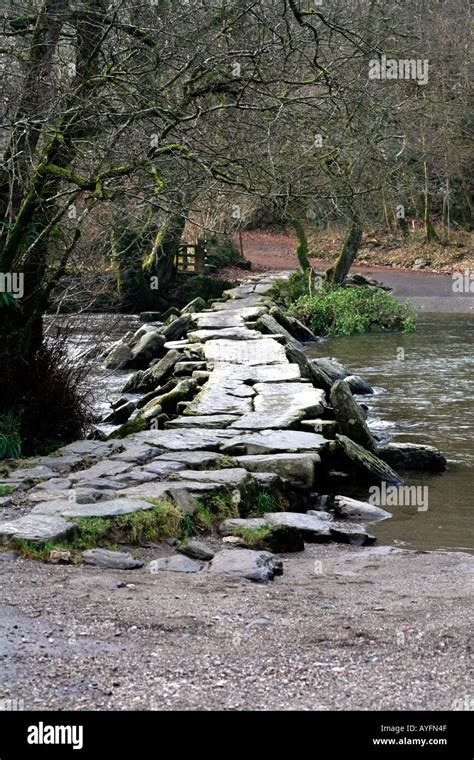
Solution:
(371, 629)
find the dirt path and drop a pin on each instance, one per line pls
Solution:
(428, 291)
(343, 628)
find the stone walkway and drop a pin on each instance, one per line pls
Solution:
(222, 399)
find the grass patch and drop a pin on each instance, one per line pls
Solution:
(165, 520)
(5, 490)
(256, 538)
(216, 508)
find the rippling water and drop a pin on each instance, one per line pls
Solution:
(424, 394)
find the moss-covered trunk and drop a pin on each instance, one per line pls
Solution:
(338, 272)
(302, 246)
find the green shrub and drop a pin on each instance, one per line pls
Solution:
(288, 291)
(344, 311)
(10, 438)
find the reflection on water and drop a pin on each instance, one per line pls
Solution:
(423, 384)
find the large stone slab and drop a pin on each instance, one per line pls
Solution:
(358, 510)
(137, 454)
(312, 529)
(247, 352)
(297, 469)
(218, 320)
(222, 394)
(30, 474)
(253, 300)
(109, 559)
(112, 508)
(203, 421)
(185, 440)
(281, 405)
(195, 460)
(227, 333)
(373, 468)
(350, 417)
(36, 529)
(90, 448)
(104, 469)
(162, 469)
(271, 441)
(256, 566)
(412, 456)
(232, 477)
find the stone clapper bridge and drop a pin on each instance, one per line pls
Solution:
(224, 408)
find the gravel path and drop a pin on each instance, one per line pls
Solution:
(343, 629)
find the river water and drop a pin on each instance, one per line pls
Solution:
(424, 394)
(423, 384)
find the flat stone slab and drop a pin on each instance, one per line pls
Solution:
(223, 394)
(297, 469)
(218, 320)
(136, 455)
(281, 405)
(104, 469)
(185, 440)
(226, 333)
(37, 529)
(30, 474)
(247, 352)
(312, 529)
(175, 564)
(90, 448)
(359, 510)
(233, 477)
(161, 469)
(112, 508)
(60, 464)
(271, 441)
(163, 488)
(203, 421)
(110, 559)
(195, 460)
(257, 566)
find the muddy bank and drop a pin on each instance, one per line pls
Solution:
(343, 628)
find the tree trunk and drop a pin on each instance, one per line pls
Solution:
(302, 247)
(430, 232)
(338, 272)
(159, 267)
